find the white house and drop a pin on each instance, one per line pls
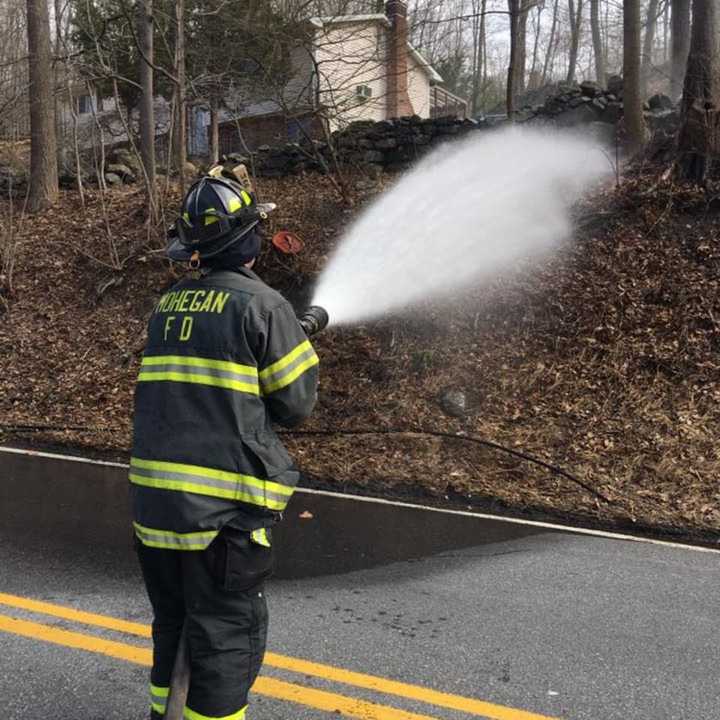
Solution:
(349, 68)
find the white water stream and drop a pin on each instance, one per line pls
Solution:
(464, 215)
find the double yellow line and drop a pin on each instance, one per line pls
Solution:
(270, 687)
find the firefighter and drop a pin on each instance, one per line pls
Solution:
(225, 359)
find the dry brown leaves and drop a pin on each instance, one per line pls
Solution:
(604, 361)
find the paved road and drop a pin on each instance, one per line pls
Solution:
(557, 625)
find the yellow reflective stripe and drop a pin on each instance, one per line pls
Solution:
(260, 537)
(191, 361)
(189, 714)
(246, 197)
(283, 362)
(234, 204)
(198, 380)
(169, 540)
(291, 376)
(158, 698)
(209, 481)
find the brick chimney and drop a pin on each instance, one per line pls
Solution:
(399, 104)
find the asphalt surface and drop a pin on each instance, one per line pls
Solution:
(577, 627)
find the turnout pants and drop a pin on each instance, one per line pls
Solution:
(218, 594)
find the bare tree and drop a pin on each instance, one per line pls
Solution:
(649, 44)
(537, 29)
(575, 31)
(632, 96)
(180, 102)
(514, 10)
(552, 44)
(680, 45)
(147, 107)
(43, 154)
(479, 64)
(521, 59)
(598, 49)
(700, 134)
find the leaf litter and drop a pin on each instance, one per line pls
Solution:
(604, 360)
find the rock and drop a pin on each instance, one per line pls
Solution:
(581, 115)
(615, 85)
(568, 89)
(660, 102)
(372, 156)
(612, 113)
(113, 179)
(578, 101)
(386, 144)
(454, 403)
(666, 120)
(590, 89)
(125, 173)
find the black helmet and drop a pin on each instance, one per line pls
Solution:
(216, 213)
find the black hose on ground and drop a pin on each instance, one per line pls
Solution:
(11, 427)
(456, 436)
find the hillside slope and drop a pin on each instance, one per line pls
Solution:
(603, 361)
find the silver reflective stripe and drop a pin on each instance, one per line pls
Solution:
(284, 376)
(196, 370)
(258, 494)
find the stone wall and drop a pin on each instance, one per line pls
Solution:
(390, 144)
(398, 143)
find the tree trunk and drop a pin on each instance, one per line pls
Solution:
(575, 27)
(551, 44)
(700, 134)
(632, 97)
(598, 50)
(147, 108)
(43, 145)
(514, 9)
(478, 57)
(533, 82)
(649, 44)
(680, 41)
(180, 103)
(521, 60)
(214, 132)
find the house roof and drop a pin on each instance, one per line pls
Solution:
(320, 22)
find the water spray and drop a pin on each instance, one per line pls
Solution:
(467, 214)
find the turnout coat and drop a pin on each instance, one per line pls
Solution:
(225, 359)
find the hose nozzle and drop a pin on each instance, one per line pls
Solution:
(314, 320)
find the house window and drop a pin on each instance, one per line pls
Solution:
(363, 93)
(84, 104)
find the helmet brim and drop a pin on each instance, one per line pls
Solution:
(179, 252)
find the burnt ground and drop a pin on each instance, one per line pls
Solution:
(603, 361)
